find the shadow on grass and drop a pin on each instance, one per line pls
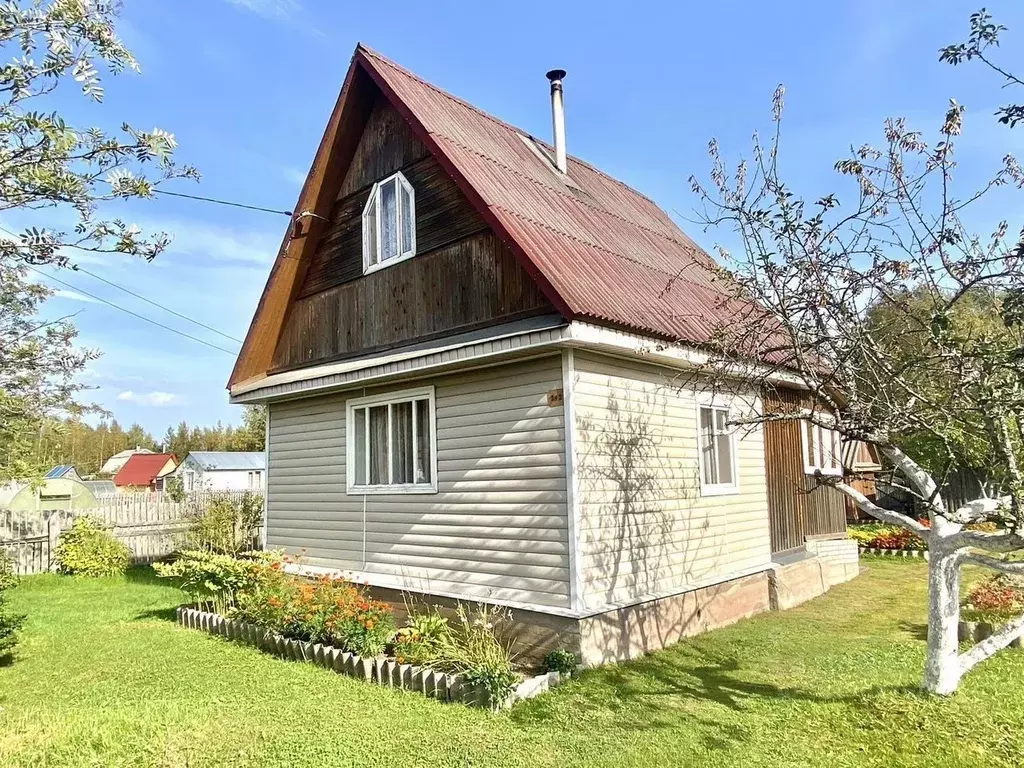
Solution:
(667, 691)
(162, 614)
(915, 629)
(144, 574)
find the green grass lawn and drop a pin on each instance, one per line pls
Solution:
(103, 677)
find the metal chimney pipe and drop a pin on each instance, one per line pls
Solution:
(558, 117)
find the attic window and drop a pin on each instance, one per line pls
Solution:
(389, 223)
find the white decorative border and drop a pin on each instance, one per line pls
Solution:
(383, 671)
(919, 553)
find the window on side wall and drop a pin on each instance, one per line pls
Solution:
(822, 449)
(389, 223)
(717, 445)
(391, 444)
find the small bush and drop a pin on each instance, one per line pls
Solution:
(996, 599)
(424, 639)
(562, 661)
(9, 623)
(216, 581)
(480, 650)
(90, 550)
(228, 525)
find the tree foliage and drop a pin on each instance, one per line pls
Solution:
(901, 324)
(69, 173)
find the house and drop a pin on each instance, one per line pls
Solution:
(222, 471)
(114, 464)
(145, 471)
(481, 358)
(62, 470)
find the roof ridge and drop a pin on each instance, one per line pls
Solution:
(447, 94)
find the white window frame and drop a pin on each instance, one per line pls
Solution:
(717, 489)
(389, 398)
(375, 198)
(190, 481)
(817, 430)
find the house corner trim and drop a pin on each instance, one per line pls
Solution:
(571, 477)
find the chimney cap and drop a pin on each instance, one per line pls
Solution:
(555, 74)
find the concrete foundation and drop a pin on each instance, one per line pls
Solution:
(627, 632)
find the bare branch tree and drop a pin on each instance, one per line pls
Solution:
(895, 319)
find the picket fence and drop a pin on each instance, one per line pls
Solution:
(150, 524)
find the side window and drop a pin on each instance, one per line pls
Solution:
(391, 443)
(717, 445)
(389, 223)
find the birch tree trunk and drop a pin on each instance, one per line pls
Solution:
(942, 669)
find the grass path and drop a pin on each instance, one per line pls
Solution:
(104, 678)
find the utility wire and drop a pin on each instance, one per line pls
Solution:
(78, 268)
(128, 311)
(222, 202)
(130, 292)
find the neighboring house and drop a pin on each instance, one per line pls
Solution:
(114, 464)
(479, 357)
(54, 493)
(222, 471)
(145, 472)
(62, 470)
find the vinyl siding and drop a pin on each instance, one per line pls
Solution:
(495, 530)
(643, 526)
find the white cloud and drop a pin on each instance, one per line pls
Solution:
(282, 10)
(64, 293)
(223, 244)
(155, 399)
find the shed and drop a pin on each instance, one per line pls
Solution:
(223, 471)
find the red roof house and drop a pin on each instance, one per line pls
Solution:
(481, 361)
(145, 471)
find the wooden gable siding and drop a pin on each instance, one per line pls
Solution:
(797, 506)
(462, 277)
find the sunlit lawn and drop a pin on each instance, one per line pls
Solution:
(103, 677)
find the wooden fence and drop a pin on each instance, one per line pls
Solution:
(150, 524)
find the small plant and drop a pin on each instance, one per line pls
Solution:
(997, 599)
(174, 487)
(424, 639)
(227, 526)
(90, 550)
(8, 578)
(561, 661)
(499, 682)
(479, 649)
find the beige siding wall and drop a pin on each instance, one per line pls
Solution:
(644, 527)
(495, 530)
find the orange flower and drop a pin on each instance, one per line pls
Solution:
(276, 566)
(400, 660)
(309, 617)
(369, 625)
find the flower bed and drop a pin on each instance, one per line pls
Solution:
(381, 670)
(989, 605)
(256, 592)
(878, 537)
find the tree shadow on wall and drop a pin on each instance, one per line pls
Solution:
(639, 489)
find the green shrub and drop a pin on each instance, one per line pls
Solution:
(216, 581)
(424, 639)
(90, 550)
(479, 648)
(228, 525)
(174, 487)
(561, 660)
(9, 623)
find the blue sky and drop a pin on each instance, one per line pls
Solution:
(246, 86)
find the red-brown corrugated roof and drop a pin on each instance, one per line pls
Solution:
(607, 251)
(142, 468)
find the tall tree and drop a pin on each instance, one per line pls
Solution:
(812, 279)
(46, 164)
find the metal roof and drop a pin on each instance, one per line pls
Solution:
(609, 252)
(212, 461)
(141, 469)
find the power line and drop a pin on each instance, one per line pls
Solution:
(130, 292)
(222, 202)
(128, 311)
